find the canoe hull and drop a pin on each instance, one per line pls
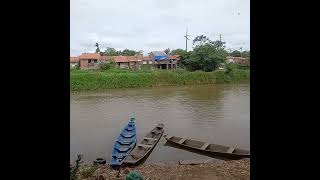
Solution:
(124, 144)
(143, 150)
(208, 151)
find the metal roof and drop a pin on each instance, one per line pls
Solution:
(159, 53)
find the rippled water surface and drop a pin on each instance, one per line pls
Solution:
(215, 113)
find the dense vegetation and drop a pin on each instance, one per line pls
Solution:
(121, 78)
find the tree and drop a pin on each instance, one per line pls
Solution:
(236, 53)
(128, 52)
(183, 54)
(167, 51)
(207, 55)
(200, 40)
(98, 49)
(110, 52)
(246, 54)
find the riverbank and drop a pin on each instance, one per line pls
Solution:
(237, 169)
(120, 78)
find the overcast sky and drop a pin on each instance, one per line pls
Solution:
(150, 25)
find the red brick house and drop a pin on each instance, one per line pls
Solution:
(95, 60)
(174, 61)
(163, 61)
(146, 60)
(126, 62)
(89, 61)
(74, 61)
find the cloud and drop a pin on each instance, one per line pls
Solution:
(153, 24)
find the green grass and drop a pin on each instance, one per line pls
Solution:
(124, 78)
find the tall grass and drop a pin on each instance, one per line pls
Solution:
(121, 78)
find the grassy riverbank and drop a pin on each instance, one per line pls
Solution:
(237, 169)
(120, 78)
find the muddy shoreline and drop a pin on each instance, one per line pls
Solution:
(235, 169)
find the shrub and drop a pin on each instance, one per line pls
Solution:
(106, 66)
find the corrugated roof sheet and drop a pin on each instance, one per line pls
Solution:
(159, 53)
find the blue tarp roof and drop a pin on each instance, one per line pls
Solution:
(158, 58)
(159, 55)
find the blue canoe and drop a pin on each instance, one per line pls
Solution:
(124, 144)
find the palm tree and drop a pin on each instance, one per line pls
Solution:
(98, 49)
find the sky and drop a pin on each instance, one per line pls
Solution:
(153, 25)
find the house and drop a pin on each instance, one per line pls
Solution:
(237, 60)
(146, 60)
(175, 61)
(125, 62)
(89, 61)
(163, 61)
(74, 62)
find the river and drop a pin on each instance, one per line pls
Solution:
(216, 113)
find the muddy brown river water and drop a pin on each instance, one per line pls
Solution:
(217, 113)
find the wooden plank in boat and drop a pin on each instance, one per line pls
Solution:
(204, 146)
(127, 135)
(231, 149)
(136, 156)
(168, 137)
(150, 138)
(122, 149)
(155, 132)
(182, 140)
(143, 145)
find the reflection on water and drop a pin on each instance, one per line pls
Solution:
(218, 114)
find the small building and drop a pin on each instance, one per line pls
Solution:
(146, 60)
(237, 60)
(175, 61)
(125, 62)
(89, 61)
(163, 61)
(74, 62)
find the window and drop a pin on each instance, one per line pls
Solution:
(95, 61)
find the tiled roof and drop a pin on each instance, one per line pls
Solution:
(122, 59)
(89, 56)
(74, 59)
(176, 57)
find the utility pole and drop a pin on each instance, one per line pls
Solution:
(186, 36)
(220, 41)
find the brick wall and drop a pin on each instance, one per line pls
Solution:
(83, 64)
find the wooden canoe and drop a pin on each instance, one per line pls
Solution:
(124, 144)
(210, 149)
(145, 147)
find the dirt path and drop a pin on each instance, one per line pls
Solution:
(227, 170)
